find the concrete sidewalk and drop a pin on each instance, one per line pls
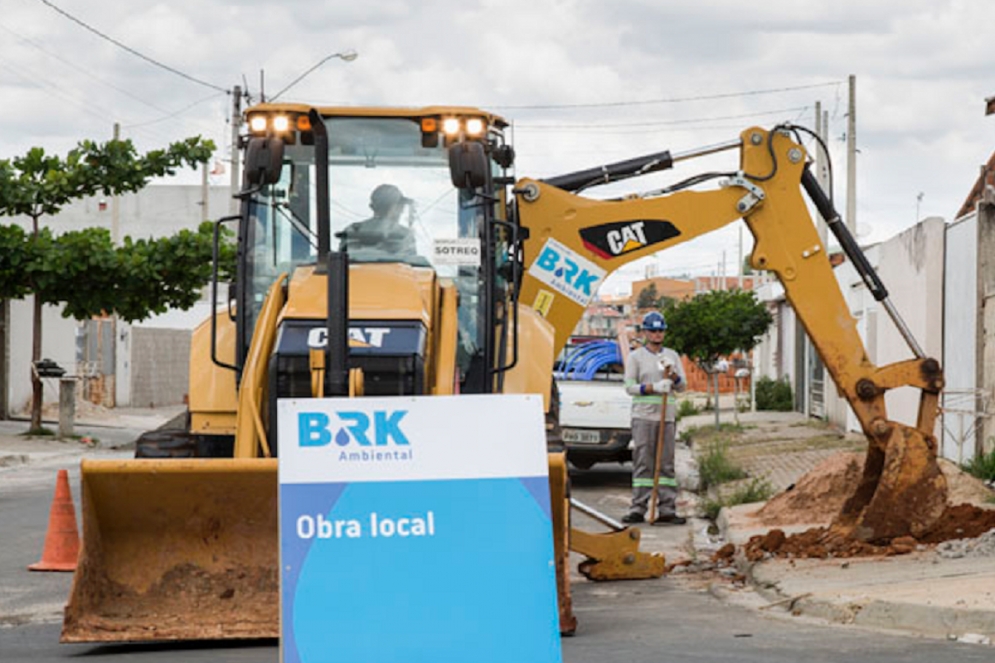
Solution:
(99, 429)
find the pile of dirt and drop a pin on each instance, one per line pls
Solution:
(819, 495)
(818, 543)
(963, 521)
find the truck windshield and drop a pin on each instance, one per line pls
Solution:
(392, 200)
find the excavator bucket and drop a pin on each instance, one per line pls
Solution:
(902, 492)
(176, 550)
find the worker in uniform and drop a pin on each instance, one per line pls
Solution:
(653, 374)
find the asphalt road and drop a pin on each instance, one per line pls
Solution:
(635, 622)
(653, 622)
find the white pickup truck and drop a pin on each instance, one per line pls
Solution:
(595, 421)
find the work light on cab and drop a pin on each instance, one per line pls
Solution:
(257, 124)
(281, 123)
(474, 127)
(451, 126)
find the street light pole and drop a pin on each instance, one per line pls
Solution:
(346, 56)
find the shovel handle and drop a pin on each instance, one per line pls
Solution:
(656, 458)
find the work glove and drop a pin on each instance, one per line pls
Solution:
(662, 386)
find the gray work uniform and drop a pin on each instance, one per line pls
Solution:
(641, 369)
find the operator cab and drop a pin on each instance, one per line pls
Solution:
(391, 201)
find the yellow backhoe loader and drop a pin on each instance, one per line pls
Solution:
(462, 280)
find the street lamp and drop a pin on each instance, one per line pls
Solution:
(346, 56)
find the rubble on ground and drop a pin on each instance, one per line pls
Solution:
(982, 546)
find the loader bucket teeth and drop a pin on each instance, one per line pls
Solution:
(176, 550)
(902, 492)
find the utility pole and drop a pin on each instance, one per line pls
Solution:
(204, 193)
(821, 157)
(851, 158)
(117, 362)
(741, 259)
(116, 200)
(236, 126)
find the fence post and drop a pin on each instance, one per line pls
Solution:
(67, 406)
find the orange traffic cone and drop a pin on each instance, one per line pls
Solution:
(62, 539)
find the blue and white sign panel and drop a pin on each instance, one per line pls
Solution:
(416, 530)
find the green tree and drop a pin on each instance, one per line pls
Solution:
(664, 302)
(715, 324)
(38, 185)
(648, 297)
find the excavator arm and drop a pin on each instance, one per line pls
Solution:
(574, 242)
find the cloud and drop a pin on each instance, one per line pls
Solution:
(922, 70)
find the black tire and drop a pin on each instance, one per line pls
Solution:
(581, 463)
(554, 436)
(165, 444)
(214, 446)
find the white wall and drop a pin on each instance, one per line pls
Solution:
(911, 266)
(765, 355)
(155, 211)
(58, 344)
(960, 347)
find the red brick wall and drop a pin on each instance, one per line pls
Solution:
(697, 379)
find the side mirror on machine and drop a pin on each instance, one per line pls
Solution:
(263, 161)
(468, 165)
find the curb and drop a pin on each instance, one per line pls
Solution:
(977, 626)
(10, 460)
(20, 460)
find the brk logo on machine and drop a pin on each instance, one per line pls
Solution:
(359, 437)
(567, 272)
(610, 240)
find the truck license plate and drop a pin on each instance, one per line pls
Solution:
(583, 436)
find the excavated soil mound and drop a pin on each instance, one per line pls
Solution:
(819, 495)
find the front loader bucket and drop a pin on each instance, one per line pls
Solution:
(902, 492)
(176, 550)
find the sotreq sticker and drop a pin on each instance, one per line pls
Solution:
(464, 252)
(567, 272)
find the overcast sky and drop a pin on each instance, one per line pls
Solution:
(584, 82)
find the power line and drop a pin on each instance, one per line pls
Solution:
(173, 114)
(40, 82)
(616, 125)
(131, 50)
(34, 44)
(672, 100)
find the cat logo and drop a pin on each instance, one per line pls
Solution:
(363, 337)
(611, 240)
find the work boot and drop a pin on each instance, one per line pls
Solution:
(632, 518)
(672, 519)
